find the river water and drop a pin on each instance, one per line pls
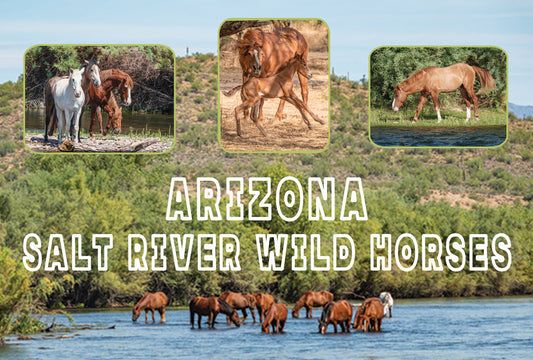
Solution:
(495, 328)
(483, 136)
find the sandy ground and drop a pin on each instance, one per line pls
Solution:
(289, 135)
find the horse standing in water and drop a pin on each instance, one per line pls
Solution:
(263, 54)
(388, 302)
(69, 100)
(339, 312)
(263, 303)
(91, 75)
(239, 302)
(309, 300)
(151, 302)
(369, 315)
(433, 80)
(276, 317)
(210, 307)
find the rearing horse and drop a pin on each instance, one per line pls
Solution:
(263, 54)
(433, 80)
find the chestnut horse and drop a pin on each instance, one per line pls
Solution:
(263, 302)
(339, 312)
(388, 302)
(151, 302)
(309, 300)
(433, 80)
(91, 75)
(369, 315)
(210, 307)
(276, 86)
(240, 302)
(263, 54)
(276, 317)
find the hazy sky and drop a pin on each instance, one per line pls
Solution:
(356, 28)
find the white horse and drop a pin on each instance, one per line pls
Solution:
(69, 100)
(386, 299)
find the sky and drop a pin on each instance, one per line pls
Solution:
(356, 28)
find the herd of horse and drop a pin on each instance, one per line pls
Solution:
(269, 61)
(66, 97)
(272, 314)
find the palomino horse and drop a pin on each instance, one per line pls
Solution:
(91, 75)
(263, 54)
(309, 300)
(150, 302)
(339, 312)
(276, 86)
(433, 80)
(69, 100)
(276, 317)
(240, 302)
(388, 302)
(103, 97)
(263, 302)
(210, 307)
(369, 315)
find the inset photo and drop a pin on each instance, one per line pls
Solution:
(99, 98)
(274, 85)
(433, 96)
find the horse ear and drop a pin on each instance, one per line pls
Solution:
(86, 62)
(70, 71)
(133, 77)
(82, 70)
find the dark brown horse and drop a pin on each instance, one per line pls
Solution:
(433, 80)
(263, 54)
(91, 75)
(276, 317)
(309, 300)
(240, 301)
(369, 315)
(210, 307)
(276, 86)
(103, 97)
(263, 302)
(151, 302)
(339, 312)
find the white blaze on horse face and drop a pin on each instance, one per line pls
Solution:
(257, 67)
(128, 102)
(95, 75)
(394, 107)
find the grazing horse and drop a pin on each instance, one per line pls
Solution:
(91, 75)
(388, 302)
(263, 302)
(151, 302)
(369, 315)
(239, 302)
(210, 307)
(276, 317)
(69, 100)
(276, 86)
(339, 312)
(263, 54)
(433, 80)
(311, 299)
(102, 97)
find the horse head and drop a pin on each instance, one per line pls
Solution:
(136, 313)
(234, 317)
(399, 97)
(74, 78)
(124, 89)
(251, 53)
(322, 326)
(116, 121)
(302, 67)
(92, 71)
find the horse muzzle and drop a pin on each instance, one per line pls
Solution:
(77, 94)
(116, 131)
(395, 108)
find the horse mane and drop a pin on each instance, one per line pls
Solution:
(414, 78)
(140, 301)
(328, 308)
(252, 37)
(225, 307)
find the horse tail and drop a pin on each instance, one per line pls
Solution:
(485, 78)
(232, 91)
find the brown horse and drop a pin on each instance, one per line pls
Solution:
(103, 98)
(339, 312)
(151, 302)
(91, 75)
(263, 302)
(263, 54)
(276, 317)
(240, 302)
(276, 86)
(210, 307)
(369, 315)
(311, 299)
(433, 80)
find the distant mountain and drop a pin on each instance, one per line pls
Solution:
(521, 111)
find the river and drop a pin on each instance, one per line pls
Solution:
(487, 328)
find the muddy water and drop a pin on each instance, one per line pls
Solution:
(419, 329)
